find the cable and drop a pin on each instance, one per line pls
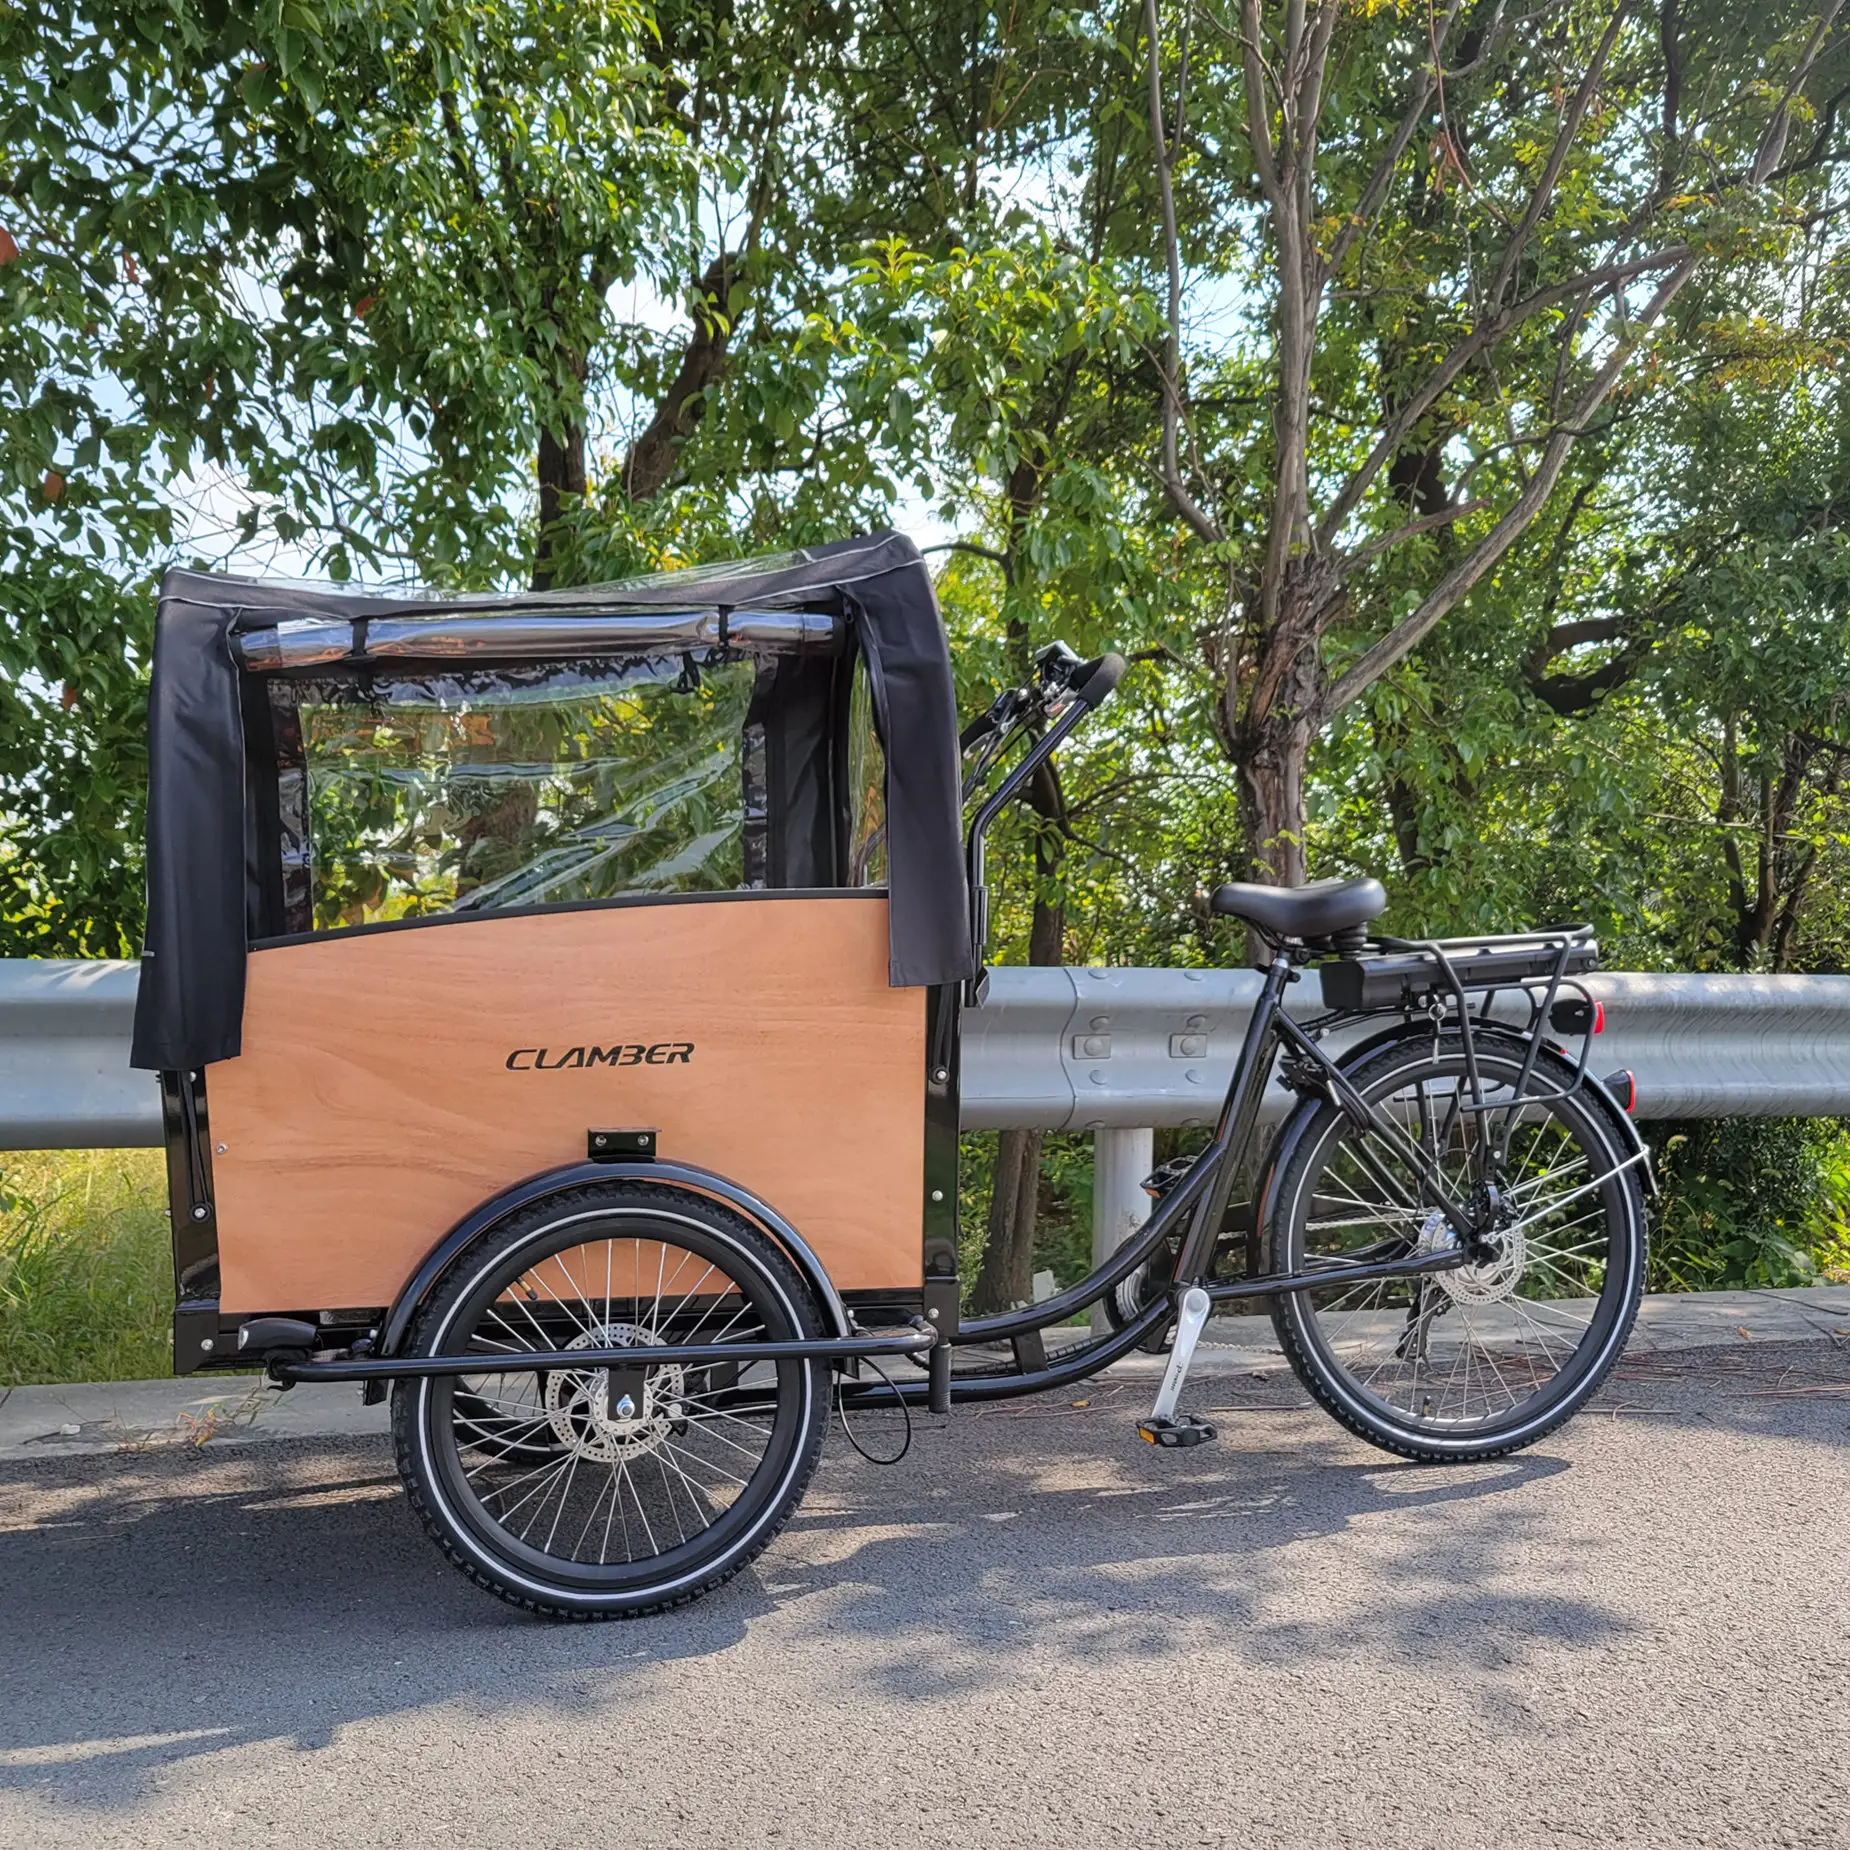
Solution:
(841, 1413)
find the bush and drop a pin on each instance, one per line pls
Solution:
(1750, 1203)
(1745, 1203)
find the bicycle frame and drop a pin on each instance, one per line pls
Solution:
(1199, 1200)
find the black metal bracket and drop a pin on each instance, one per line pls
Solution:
(1451, 1259)
(620, 1146)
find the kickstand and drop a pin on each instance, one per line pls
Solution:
(1166, 1426)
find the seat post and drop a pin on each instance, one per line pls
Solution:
(1239, 1113)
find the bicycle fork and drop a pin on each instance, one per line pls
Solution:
(1166, 1426)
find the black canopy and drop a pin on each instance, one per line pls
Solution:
(191, 1002)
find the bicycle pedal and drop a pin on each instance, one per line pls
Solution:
(1184, 1429)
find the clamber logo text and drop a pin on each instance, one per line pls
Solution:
(542, 1060)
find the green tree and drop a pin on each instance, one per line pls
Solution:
(1465, 228)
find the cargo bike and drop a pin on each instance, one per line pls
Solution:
(556, 1003)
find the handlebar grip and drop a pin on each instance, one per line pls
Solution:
(1093, 681)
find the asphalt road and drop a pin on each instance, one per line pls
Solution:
(1035, 1631)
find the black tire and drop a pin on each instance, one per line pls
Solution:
(1475, 1363)
(599, 1527)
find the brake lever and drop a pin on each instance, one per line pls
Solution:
(1001, 713)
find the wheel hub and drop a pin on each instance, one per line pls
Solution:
(578, 1402)
(1483, 1281)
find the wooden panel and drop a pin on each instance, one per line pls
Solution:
(391, 1081)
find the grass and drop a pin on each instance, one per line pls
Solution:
(86, 1269)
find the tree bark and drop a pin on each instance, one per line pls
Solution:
(1006, 1276)
(653, 455)
(1401, 800)
(1785, 933)
(1271, 742)
(561, 475)
(1272, 799)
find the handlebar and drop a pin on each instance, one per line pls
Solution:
(1061, 693)
(1060, 680)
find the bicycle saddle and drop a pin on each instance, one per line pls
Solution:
(1318, 910)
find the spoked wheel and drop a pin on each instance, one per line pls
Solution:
(1480, 1361)
(597, 1493)
(498, 1411)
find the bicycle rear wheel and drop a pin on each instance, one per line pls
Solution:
(1476, 1362)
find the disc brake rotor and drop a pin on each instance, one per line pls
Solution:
(645, 1415)
(1489, 1281)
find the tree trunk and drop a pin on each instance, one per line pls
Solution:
(1400, 798)
(1272, 800)
(1006, 1276)
(1785, 933)
(561, 474)
(655, 453)
(1271, 743)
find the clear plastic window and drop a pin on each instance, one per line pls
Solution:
(866, 788)
(408, 795)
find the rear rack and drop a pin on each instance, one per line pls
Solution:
(1438, 977)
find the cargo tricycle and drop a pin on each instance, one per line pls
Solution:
(556, 1003)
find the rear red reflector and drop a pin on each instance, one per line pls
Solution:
(1599, 1018)
(1624, 1087)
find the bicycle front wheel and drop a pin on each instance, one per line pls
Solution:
(600, 1492)
(1484, 1360)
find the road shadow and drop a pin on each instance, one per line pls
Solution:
(161, 1607)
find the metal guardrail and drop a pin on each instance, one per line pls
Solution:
(1105, 1049)
(65, 1080)
(1053, 1049)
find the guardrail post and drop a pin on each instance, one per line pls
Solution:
(1120, 1161)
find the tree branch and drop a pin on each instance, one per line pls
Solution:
(1577, 693)
(1485, 335)
(1258, 128)
(1773, 142)
(651, 457)
(1310, 111)
(1199, 521)
(1407, 635)
(1815, 155)
(1383, 176)
(1425, 524)
(1668, 161)
(1542, 194)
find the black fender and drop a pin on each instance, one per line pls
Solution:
(484, 1218)
(1286, 1138)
